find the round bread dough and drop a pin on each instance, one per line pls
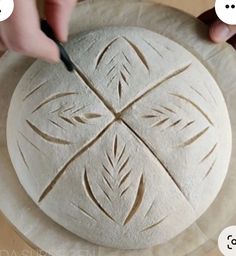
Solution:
(128, 151)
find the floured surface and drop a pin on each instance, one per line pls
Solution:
(130, 151)
(183, 244)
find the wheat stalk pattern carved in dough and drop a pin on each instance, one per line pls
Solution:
(120, 66)
(116, 176)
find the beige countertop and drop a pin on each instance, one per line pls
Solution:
(10, 242)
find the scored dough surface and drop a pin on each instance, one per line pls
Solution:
(130, 151)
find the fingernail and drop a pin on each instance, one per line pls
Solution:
(220, 32)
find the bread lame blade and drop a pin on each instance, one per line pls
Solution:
(64, 56)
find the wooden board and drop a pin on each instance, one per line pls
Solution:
(210, 245)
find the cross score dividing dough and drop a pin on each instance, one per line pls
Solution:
(130, 151)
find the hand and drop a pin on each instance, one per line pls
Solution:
(219, 31)
(22, 33)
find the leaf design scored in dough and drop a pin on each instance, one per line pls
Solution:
(76, 116)
(116, 170)
(117, 179)
(120, 66)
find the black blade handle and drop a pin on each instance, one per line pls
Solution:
(65, 58)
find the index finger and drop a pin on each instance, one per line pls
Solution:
(58, 15)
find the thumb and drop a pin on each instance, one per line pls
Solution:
(221, 32)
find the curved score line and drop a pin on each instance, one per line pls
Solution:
(138, 200)
(154, 225)
(46, 136)
(194, 105)
(154, 48)
(194, 138)
(77, 207)
(101, 55)
(92, 197)
(209, 153)
(210, 169)
(138, 52)
(35, 90)
(54, 97)
(22, 155)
